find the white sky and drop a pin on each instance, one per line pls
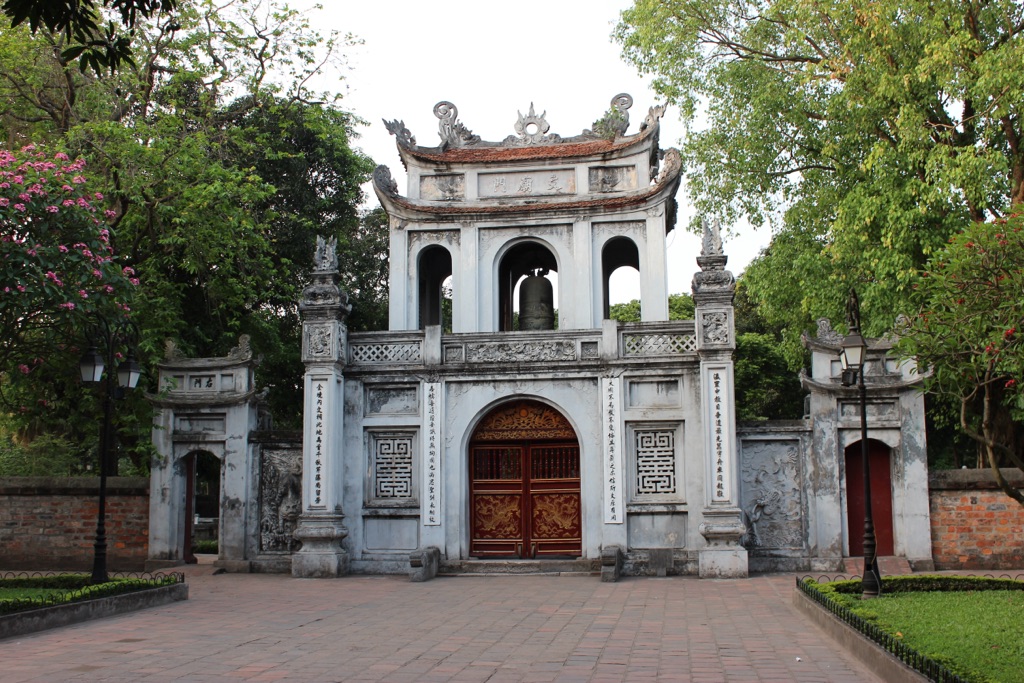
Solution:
(492, 60)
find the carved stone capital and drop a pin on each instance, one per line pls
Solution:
(723, 528)
(321, 555)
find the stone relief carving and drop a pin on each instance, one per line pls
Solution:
(771, 494)
(452, 132)
(401, 133)
(612, 178)
(319, 341)
(510, 352)
(716, 327)
(280, 499)
(243, 350)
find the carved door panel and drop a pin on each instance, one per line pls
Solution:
(525, 500)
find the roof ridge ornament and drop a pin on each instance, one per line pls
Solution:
(531, 129)
(403, 136)
(452, 132)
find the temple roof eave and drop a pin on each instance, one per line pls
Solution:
(661, 190)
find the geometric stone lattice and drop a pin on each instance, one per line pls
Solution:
(280, 498)
(392, 465)
(655, 462)
(408, 352)
(658, 344)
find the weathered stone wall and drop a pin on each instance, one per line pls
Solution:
(974, 524)
(50, 523)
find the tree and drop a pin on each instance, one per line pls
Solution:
(218, 166)
(96, 47)
(970, 335)
(864, 133)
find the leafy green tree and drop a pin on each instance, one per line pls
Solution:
(219, 166)
(970, 335)
(79, 22)
(864, 133)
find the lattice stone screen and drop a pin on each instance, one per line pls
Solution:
(655, 463)
(386, 353)
(658, 344)
(391, 468)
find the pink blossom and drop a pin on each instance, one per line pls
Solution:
(60, 156)
(68, 202)
(4, 185)
(134, 280)
(82, 201)
(67, 188)
(98, 196)
(19, 207)
(17, 179)
(68, 305)
(4, 201)
(128, 270)
(84, 294)
(62, 249)
(25, 197)
(52, 209)
(86, 253)
(24, 369)
(78, 180)
(96, 273)
(108, 289)
(110, 214)
(21, 288)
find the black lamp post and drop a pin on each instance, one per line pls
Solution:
(127, 376)
(852, 355)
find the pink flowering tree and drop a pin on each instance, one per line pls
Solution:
(58, 268)
(970, 334)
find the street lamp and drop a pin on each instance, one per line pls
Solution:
(127, 377)
(852, 356)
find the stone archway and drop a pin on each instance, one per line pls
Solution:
(524, 471)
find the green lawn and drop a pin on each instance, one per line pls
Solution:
(977, 634)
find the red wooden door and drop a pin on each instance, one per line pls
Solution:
(525, 500)
(881, 497)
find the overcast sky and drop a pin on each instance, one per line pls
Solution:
(493, 60)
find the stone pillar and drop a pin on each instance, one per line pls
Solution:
(324, 308)
(722, 527)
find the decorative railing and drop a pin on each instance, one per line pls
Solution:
(923, 664)
(659, 340)
(382, 352)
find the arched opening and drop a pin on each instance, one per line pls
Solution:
(521, 262)
(524, 463)
(434, 269)
(881, 497)
(619, 253)
(202, 505)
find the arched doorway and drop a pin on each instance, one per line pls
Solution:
(881, 497)
(524, 464)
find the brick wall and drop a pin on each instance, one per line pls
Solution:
(974, 524)
(50, 523)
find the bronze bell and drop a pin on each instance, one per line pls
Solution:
(536, 302)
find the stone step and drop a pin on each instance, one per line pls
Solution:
(892, 565)
(474, 567)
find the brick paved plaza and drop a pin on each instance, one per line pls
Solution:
(251, 627)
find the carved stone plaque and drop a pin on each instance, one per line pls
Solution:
(511, 352)
(280, 498)
(612, 178)
(444, 187)
(771, 495)
(527, 184)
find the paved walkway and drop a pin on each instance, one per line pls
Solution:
(499, 629)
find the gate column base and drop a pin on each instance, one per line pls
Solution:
(321, 556)
(723, 557)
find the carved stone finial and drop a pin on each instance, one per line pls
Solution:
(384, 182)
(401, 133)
(654, 115)
(171, 350)
(711, 242)
(532, 130)
(853, 311)
(826, 334)
(325, 258)
(452, 132)
(243, 351)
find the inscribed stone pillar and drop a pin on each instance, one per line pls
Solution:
(722, 525)
(324, 308)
